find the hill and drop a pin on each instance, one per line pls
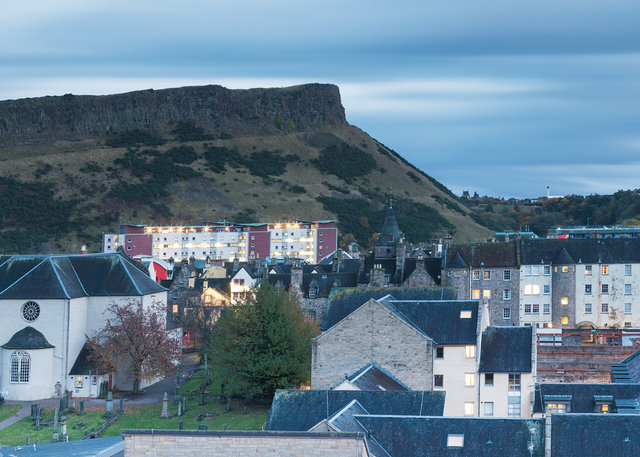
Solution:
(76, 166)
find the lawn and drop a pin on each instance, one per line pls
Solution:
(148, 416)
(17, 433)
(6, 411)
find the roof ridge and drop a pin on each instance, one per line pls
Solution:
(55, 271)
(126, 269)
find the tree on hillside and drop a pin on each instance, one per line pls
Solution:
(264, 344)
(136, 336)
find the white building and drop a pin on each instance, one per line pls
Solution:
(49, 304)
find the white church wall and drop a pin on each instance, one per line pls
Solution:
(78, 310)
(40, 375)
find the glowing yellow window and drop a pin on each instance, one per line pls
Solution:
(475, 294)
(175, 309)
(565, 320)
(564, 301)
(470, 351)
(486, 293)
(469, 379)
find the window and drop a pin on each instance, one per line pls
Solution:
(506, 313)
(587, 289)
(527, 309)
(438, 380)
(469, 379)
(532, 289)
(605, 308)
(627, 325)
(564, 301)
(546, 270)
(313, 291)
(536, 308)
(439, 352)
(546, 289)
(465, 314)
(564, 320)
(627, 270)
(605, 269)
(588, 269)
(486, 274)
(506, 294)
(455, 440)
(556, 407)
(470, 351)
(30, 311)
(627, 308)
(514, 383)
(486, 293)
(535, 270)
(587, 308)
(475, 274)
(488, 379)
(565, 269)
(468, 408)
(527, 270)
(514, 395)
(605, 289)
(79, 382)
(506, 275)
(20, 367)
(488, 408)
(475, 294)
(603, 408)
(175, 309)
(627, 289)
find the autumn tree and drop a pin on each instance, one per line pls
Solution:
(135, 335)
(264, 343)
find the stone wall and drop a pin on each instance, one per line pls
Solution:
(315, 307)
(372, 334)
(579, 363)
(161, 443)
(563, 285)
(419, 277)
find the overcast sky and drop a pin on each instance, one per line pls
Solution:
(499, 97)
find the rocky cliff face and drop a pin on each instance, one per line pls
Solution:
(217, 109)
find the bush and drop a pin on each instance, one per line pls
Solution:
(266, 163)
(189, 131)
(344, 161)
(219, 157)
(135, 138)
(183, 154)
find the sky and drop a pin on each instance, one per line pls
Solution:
(497, 97)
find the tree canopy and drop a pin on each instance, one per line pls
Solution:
(136, 335)
(264, 344)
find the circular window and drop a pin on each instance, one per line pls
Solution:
(30, 311)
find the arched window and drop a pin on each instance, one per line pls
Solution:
(20, 367)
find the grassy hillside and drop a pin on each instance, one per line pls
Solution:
(59, 194)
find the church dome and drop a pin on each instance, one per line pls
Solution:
(28, 338)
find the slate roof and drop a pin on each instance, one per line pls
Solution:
(427, 436)
(299, 410)
(28, 338)
(440, 320)
(431, 265)
(73, 276)
(390, 233)
(594, 435)
(582, 394)
(83, 364)
(618, 250)
(489, 255)
(343, 302)
(103, 447)
(628, 370)
(506, 350)
(373, 377)
(325, 282)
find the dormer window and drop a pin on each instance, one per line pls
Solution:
(455, 440)
(465, 314)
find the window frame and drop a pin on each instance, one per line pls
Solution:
(506, 275)
(20, 367)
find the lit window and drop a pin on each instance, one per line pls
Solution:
(506, 294)
(468, 408)
(602, 408)
(465, 314)
(588, 269)
(564, 301)
(486, 274)
(627, 308)
(546, 308)
(587, 308)
(469, 379)
(438, 380)
(475, 274)
(175, 309)
(546, 270)
(532, 289)
(565, 320)
(488, 379)
(627, 270)
(605, 269)
(627, 289)
(506, 313)
(456, 440)
(488, 408)
(565, 269)
(605, 308)
(486, 293)
(470, 351)
(506, 275)
(20, 367)
(556, 407)
(475, 294)
(79, 382)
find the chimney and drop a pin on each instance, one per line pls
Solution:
(83, 250)
(296, 280)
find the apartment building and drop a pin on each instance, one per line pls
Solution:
(307, 240)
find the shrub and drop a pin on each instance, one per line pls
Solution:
(183, 154)
(135, 138)
(188, 131)
(344, 161)
(218, 157)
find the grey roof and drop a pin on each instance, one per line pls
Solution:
(84, 364)
(617, 250)
(457, 262)
(563, 258)
(427, 436)
(373, 377)
(441, 320)
(390, 233)
(28, 338)
(302, 409)
(343, 302)
(582, 395)
(73, 276)
(431, 265)
(628, 370)
(595, 435)
(489, 255)
(103, 447)
(506, 350)
(345, 421)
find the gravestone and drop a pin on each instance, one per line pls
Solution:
(82, 407)
(121, 404)
(203, 427)
(34, 410)
(109, 405)
(38, 420)
(184, 405)
(165, 407)
(180, 425)
(55, 426)
(63, 428)
(179, 408)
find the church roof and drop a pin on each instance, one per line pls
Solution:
(73, 276)
(390, 234)
(28, 338)
(84, 364)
